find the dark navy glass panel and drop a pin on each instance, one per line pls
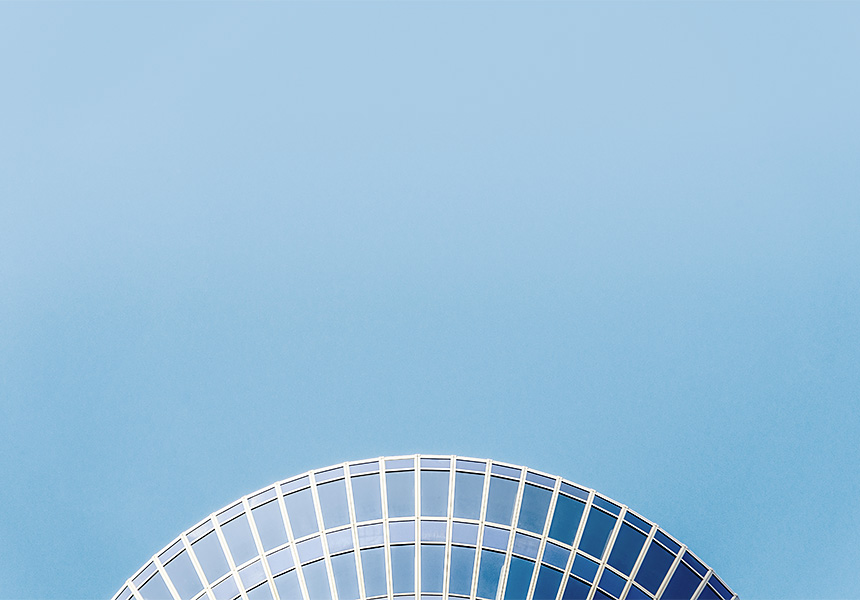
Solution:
(335, 508)
(287, 585)
(500, 505)
(565, 519)
(434, 493)
(654, 567)
(575, 590)
(708, 593)
(300, 510)
(548, 582)
(682, 585)
(488, 573)
(367, 497)
(316, 578)
(625, 550)
(695, 563)
(584, 567)
(468, 492)
(155, 589)
(432, 568)
(400, 490)
(533, 509)
(270, 525)
(635, 520)
(345, 576)
(373, 567)
(403, 569)
(181, 572)
(597, 530)
(666, 541)
(600, 595)
(462, 562)
(634, 593)
(603, 503)
(612, 583)
(722, 590)
(237, 533)
(519, 578)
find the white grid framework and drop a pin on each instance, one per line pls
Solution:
(425, 527)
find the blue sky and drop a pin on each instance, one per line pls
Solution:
(619, 242)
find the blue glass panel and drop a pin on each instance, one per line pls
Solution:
(575, 590)
(464, 533)
(252, 575)
(584, 567)
(371, 535)
(599, 595)
(280, 561)
(519, 578)
(401, 532)
(239, 540)
(500, 505)
(436, 463)
(708, 593)
(565, 519)
(625, 550)
(403, 569)
(261, 592)
(367, 496)
(310, 549)
(496, 538)
(432, 568)
(526, 545)
(612, 583)
(270, 525)
(718, 585)
(606, 504)
(226, 590)
(300, 510)
(328, 475)
(295, 484)
(664, 539)
(333, 503)
(572, 490)
(434, 531)
(540, 479)
(399, 463)
(208, 552)
(316, 579)
(654, 567)
(533, 509)
(367, 467)
(488, 573)
(339, 541)
(634, 593)
(471, 465)
(555, 555)
(682, 585)
(400, 489)
(181, 572)
(597, 530)
(462, 563)
(695, 563)
(345, 576)
(548, 582)
(373, 567)
(638, 522)
(468, 491)
(434, 493)
(287, 585)
(155, 589)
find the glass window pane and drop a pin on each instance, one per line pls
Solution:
(240, 542)
(401, 531)
(526, 545)
(310, 549)
(462, 564)
(682, 585)
(270, 525)
(584, 567)
(432, 568)
(634, 593)
(400, 489)
(280, 561)
(575, 590)
(625, 550)
(367, 496)
(548, 582)
(287, 585)
(434, 493)
(612, 583)
(434, 531)
(465, 533)
(500, 504)
(339, 541)
(333, 503)
(533, 509)
(155, 589)
(468, 492)
(371, 535)
(300, 509)
(489, 573)
(316, 578)
(252, 574)
(597, 530)
(226, 590)
(181, 572)
(261, 592)
(208, 552)
(708, 594)
(519, 578)
(403, 569)
(345, 576)
(565, 519)
(495, 538)
(654, 567)
(555, 555)
(373, 567)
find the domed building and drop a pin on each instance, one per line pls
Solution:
(425, 527)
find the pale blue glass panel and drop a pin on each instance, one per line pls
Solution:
(434, 531)
(310, 550)
(488, 573)
(548, 582)
(280, 561)
(181, 572)
(300, 510)
(261, 592)
(237, 533)
(432, 568)
(565, 519)
(468, 492)
(252, 574)
(434, 493)
(339, 541)
(333, 503)
(519, 578)
(373, 567)
(270, 525)
(370, 535)
(316, 579)
(401, 532)
(345, 576)
(555, 555)
(226, 590)
(495, 538)
(462, 563)
(287, 585)
(210, 556)
(400, 489)
(155, 589)
(597, 529)
(465, 533)
(526, 545)
(500, 505)
(403, 569)
(534, 508)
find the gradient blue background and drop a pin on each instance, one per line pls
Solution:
(615, 242)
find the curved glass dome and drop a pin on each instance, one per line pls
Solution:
(424, 528)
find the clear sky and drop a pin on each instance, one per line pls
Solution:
(615, 242)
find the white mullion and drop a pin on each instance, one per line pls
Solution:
(648, 540)
(198, 568)
(702, 584)
(133, 589)
(544, 536)
(417, 465)
(449, 529)
(230, 562)
(291, 540)
(671, 572)
(485, 494)
(259, 544)
(159, 568)
(350, 502)
(323, 540)
(383, 489)
(518, 499)
(575, 544)
(604, 558)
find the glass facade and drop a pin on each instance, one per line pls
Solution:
(425, 528)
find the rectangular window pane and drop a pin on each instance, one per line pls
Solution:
(468, 492)
(373, 567)
(500, 505)
(403, 569)
(333, 503)
(462, 563)
(488, 573)
(300, 510)
(316, 578)
(400, 489)
(432, 568)
(367, 496)
(434, 493)
(270, 525)
(240, 542)
(345, 576)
